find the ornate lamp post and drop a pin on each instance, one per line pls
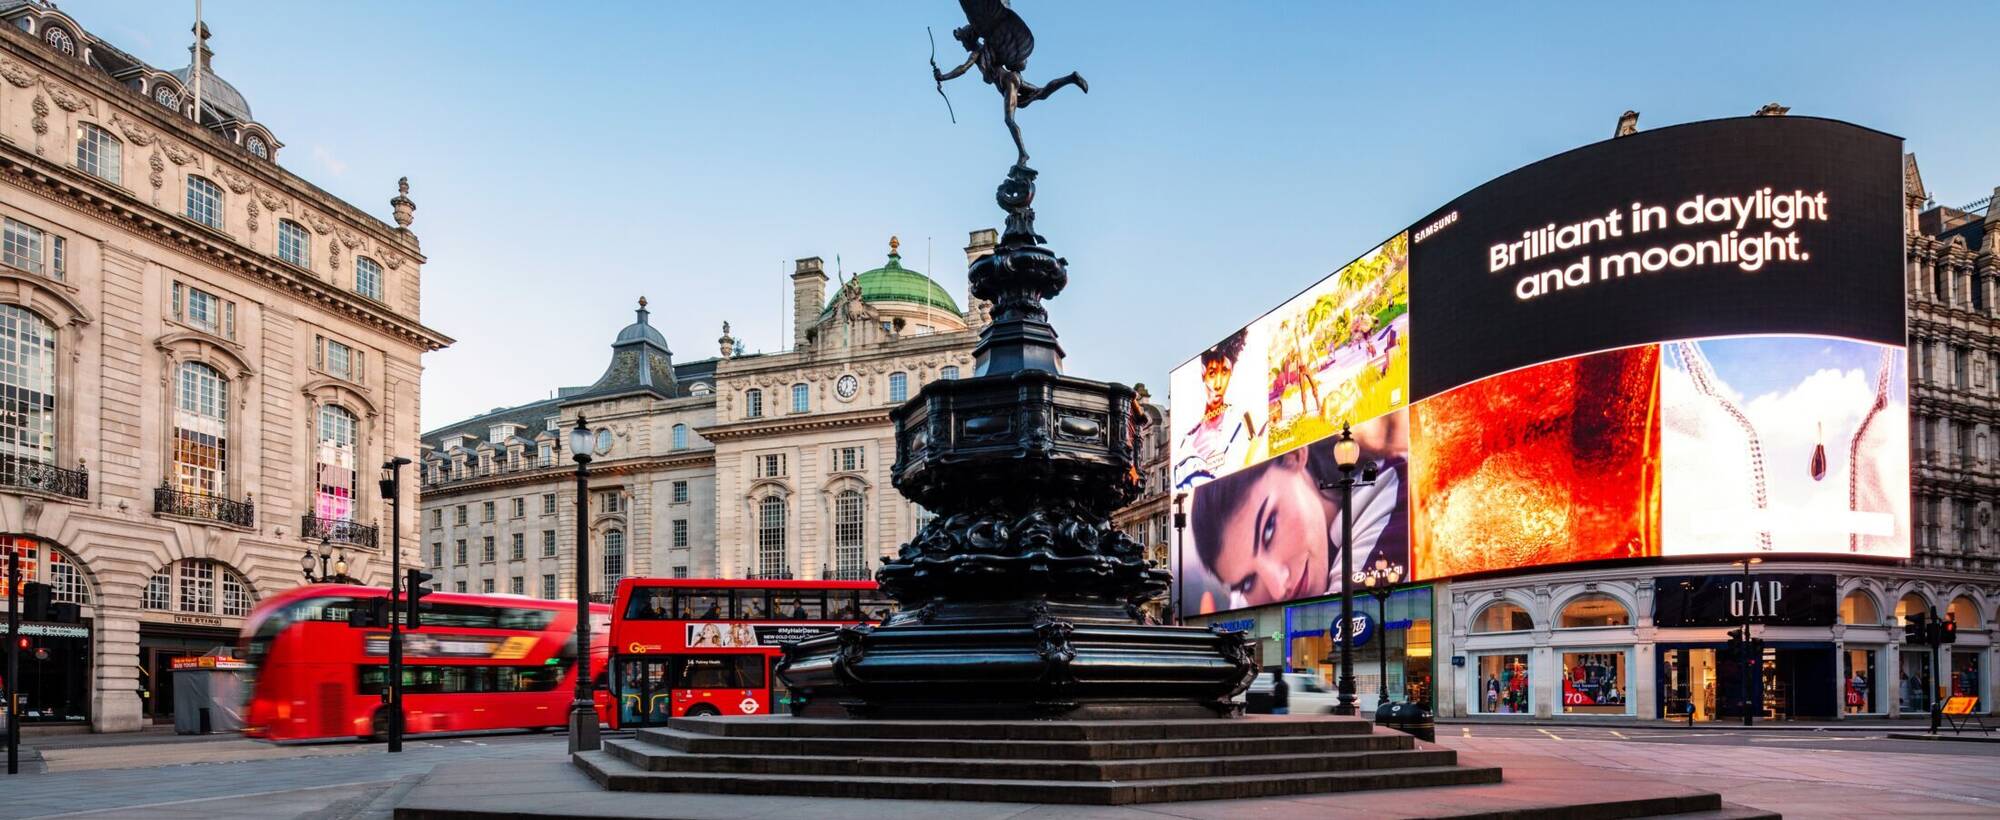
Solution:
(1347, 455)
(582, 713)
(1379, 581)
(338, 573)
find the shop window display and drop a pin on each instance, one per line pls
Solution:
(1858, 687)
(1503, 685)
(1910, 680)
(1594, 683)
(1965, 673)
(1403, 631)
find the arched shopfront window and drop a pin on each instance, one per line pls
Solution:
(1858, 609)
(1503, 616)
(1593, 609)
(1911, 604)
(1964, 612)
(200, 586)
(47, 564)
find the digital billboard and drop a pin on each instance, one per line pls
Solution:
(1686, 341)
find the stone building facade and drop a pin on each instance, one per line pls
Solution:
(1149, 519)
(204, 359)
(737, 465)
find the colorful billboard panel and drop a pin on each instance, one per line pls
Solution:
(1270, 533)
(1782, 444)
(1337, 352)
(1549, 464)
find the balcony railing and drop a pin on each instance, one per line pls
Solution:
(29, 474)
(772, 575)
(169, 501)
(339, 531)
(848, 573)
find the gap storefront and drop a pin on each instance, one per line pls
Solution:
(1399, 633)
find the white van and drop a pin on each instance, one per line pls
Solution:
(1308, 695)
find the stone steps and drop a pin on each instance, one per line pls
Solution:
(1255, 726)
(889, 763)
(950, 747)
(617, 774)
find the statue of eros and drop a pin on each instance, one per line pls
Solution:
(999, 43)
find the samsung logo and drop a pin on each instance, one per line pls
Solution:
(1434, 227)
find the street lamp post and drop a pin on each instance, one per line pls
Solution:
(1180, 527)
(1744, 655)
(338, 572)
(1380, 581)
(1347, 454)
(392, 490)
(582, 714)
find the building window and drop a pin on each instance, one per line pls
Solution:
(437, 519)
(60, 41)
(27, 386)
(518, 550)
(545, 454)
(680, 433)
(680, 532)
(771, 561)
(848, 559)
(486, 553)
(517, 585)
(334, 499)
(236, 599)
(548, 586)
(753, 403)
(62, 573)
(339, 360)
(701, 389)
(680, 571)
(460, 554)
(204, 311)
(848, 459)
(801, 399)
(256, 146)
(204, 202)
(486, 512)
(949, 371)
(614, 558)
(771, 465)
(1594, 683)
(486, 586)
(1502, 617)
(548, 503)
(201, 431)
(367, 277)
(899, 387)
(1858, 609)
(437, 555)
(458, 515)
(165, 95)
(21, 247)
(98, 153)
(60, 256)
(1586, 611)
(196, 591)
(458, 586)
(611, 501)
(548, 543)
(159, 590)
(520, 508)
(1503, 685)
(923, 516)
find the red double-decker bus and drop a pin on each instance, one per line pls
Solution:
(478, 662)
(686, 646)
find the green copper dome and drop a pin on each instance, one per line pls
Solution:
(894, 283)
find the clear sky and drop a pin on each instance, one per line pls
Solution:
(568, 157)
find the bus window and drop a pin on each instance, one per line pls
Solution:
(845, 604)
(647, 605)
(802, 606)
(707, 604)
(703, 673)
(749, 671)
(877, 605)
(753, 604)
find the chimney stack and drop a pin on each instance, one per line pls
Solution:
(808, 296)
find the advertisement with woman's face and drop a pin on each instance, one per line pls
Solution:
(1270, 533)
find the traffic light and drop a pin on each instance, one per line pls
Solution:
(413, 595)
(375, 613)
(36, 601)
(1736, 643)
(1947, 630)
(1916, 628)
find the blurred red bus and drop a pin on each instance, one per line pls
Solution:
(694, 646)
(479, 662)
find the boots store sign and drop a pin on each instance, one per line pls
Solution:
(1791, 599)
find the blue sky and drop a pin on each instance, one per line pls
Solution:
(567, 158)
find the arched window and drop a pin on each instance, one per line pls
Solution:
(257, 147)
(899, 386)
(201, 586)
(771, 560)
(1858, 609)
(614, 558)
(204, 202)
(294, 244)
(753, 403)
(949, 371)
(1911, 604)
(98, 153)
(47, 564)
(1502, 617)
(334, 500)
(849, 560)
(701, 389)
(680, 433)
(801, 398)
(367, 277)
(60, 40)
(27, 387)
(1593, 610)
(201, 431)
(1964, 613)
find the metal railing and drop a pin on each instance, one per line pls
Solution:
(339, 531)
(30, 474)
(772, 575)
(169, 501)
(847, 573)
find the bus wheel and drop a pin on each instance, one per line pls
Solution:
(703, 710)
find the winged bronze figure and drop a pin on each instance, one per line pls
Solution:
(998, 42)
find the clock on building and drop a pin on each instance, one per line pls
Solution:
(846, 386)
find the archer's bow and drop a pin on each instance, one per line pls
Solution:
(935, 73)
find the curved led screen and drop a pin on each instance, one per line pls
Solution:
(1686, 341)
